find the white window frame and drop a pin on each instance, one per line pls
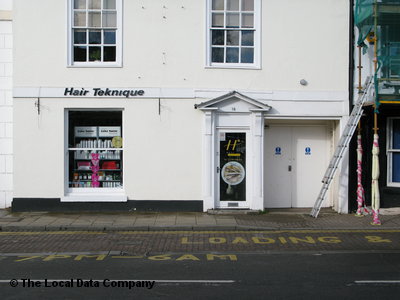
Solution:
(257, 41)
(389, 152)
(70, 193)
(118, 62)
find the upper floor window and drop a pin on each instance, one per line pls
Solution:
(393, 152)
(234, 33)
(95, 32)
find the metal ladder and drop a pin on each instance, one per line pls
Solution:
(342, 146)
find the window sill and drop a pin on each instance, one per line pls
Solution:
(233, 66)
(117, 196)
(393, 185)
(95, 65)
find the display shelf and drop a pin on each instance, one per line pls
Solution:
(99, 158)
(100, 142)
(100, 170)
(95, 149)
(89, 180)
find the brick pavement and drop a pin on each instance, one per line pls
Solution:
(273, 220)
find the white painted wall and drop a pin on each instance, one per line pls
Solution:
(6, 4)
(300, 39)
(6, 101)
(162, 153)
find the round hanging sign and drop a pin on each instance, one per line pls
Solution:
(233, 173)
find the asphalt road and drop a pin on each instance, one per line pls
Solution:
(252, 276)
(293, 264)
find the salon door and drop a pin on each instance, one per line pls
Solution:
(231, 170)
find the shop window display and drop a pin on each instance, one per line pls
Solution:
(95, 149)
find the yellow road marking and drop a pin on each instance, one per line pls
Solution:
(27, 258)
(159, 257)
(127, 256)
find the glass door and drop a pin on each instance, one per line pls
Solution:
(232, 169)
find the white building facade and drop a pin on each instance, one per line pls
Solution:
(6, 113)
(178, 105)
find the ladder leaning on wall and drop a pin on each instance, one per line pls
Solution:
(342, 146)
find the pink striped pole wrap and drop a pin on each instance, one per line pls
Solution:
(375, 199)
(362, 209)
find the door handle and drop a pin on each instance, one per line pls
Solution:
(218, 169)
(290, 168)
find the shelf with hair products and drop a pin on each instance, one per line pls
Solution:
(96, 157)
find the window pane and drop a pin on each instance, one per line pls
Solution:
(247, 38)
(232, 20)
(94, 4)
(232, 5)
(109, 53)
(218, 4)
(232, 37)
(79, 36)
(248, 5)
(396, 167)
(80, 19)
(80, 53)
(232, 55)
(396, 134)
(80, 4)
(94, 19)
(109, 4)
(109, 36)
(247, 56)
(79, 161)
(110, 19)
(94, 37)
(94, 53)
(248, 20)
(217, 20)
(217, 55)
(218, 37)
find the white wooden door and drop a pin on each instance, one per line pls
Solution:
(295, 160)
(277, 167)
(310, 158)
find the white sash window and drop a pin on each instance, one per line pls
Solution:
(234, 33)
(95, 32)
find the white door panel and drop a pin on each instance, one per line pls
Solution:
(310, 156)
(293, 175)
(277, 163)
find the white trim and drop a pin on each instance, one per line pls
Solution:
(293, 117)
(119, 41)
(116, 194)
(389, 151)
(190, 93)
(252, 123)
(100, 197)
(69, 32)
(232, 66)
(58, 92)
(248, 169)
(6, 15)
(257, 41)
